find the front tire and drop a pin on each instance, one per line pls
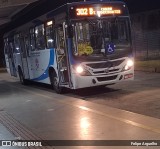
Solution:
(55, 85)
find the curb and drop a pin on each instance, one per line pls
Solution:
(148, 69)
(2, 70)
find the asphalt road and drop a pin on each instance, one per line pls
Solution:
(36, 112)
(139, 96)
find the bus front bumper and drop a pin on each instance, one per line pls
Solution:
(91, 81)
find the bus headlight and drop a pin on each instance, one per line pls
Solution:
(79, 69)
(129, 64)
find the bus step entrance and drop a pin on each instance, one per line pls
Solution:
(64, 76)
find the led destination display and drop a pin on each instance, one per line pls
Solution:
(97, 10)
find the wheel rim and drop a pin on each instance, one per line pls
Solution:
(56, 83)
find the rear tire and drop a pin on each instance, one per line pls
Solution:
(21, 77)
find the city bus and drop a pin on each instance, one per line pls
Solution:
(77, 45)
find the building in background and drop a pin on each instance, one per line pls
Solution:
(146, 34)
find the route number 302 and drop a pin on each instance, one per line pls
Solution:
(82, 11)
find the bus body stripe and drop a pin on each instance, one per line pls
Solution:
(45, 74)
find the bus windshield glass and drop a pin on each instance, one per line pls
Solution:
(102, 38)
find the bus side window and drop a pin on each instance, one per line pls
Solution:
(27, 45)
(17, 44)
(11, 49)
(6, 46)
(40, 37)
(50, 36)
(32, 39)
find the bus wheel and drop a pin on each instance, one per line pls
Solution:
(56, 86)
(21, 77)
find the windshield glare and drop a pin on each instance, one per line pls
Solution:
(93, 36)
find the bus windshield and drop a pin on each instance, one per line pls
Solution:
(102, 38)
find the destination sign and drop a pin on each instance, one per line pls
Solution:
(97, 10)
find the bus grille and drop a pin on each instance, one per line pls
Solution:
(100, 79)
(105, 64)
(104, 72)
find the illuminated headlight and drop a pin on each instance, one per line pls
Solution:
(79, 69)
(129, 64)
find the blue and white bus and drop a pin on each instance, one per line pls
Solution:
(78, 45)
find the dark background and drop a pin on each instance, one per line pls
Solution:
(42, 6)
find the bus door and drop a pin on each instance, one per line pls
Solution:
(62, 57)
(11, 59)
(24, 41)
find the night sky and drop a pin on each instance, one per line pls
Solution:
(142, 5)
